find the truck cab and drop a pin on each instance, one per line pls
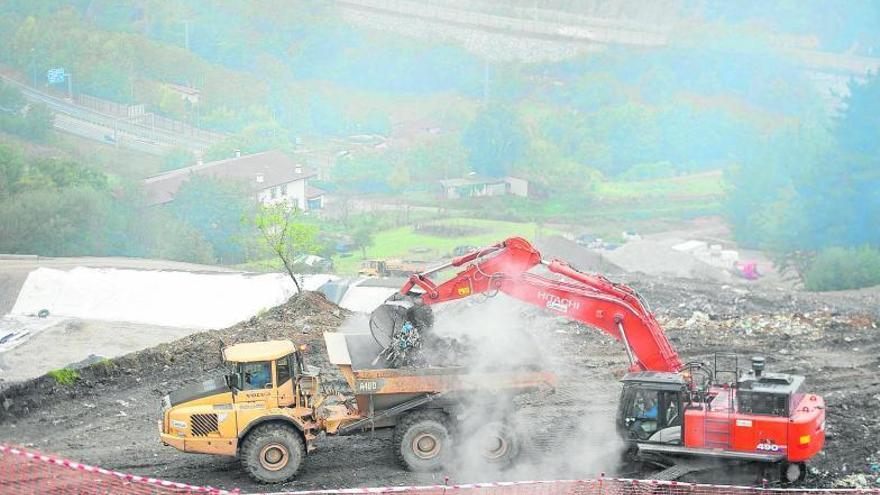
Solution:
(373, 268)
(263, 409)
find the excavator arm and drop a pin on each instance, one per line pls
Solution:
(590, 299)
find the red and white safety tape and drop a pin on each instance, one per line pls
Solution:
(594, 482)
(693, 487)
(131, 478)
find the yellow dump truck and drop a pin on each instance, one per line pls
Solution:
(269, 408)
(391, 268)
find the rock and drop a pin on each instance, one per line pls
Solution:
(697, 319)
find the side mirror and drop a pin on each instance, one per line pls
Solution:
(234, 381)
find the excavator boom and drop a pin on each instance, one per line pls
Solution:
(590, 299)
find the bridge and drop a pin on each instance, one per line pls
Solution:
(591, 32)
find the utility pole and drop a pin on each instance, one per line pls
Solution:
(34, 67)
(486, 83)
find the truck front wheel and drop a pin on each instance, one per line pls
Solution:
(422, 441)
(272, 453)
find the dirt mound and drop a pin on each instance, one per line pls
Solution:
(577, 256)
(654, 258)
(303, 319)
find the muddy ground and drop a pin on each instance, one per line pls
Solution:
(108, 417)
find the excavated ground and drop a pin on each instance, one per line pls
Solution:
(108, 417)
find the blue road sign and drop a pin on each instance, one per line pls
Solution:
(55, 76)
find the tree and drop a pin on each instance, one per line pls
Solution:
(363, 172)
(177, 158)
(495, 141)
(11, 99)
(165, 236)
(38, 122)
(286, 235)
(11, 170)
(363, 237)
(441, 158)
(813, 190)
(75, 221)
(771, 201)
(219, 210)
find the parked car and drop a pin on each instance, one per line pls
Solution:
(585, 239)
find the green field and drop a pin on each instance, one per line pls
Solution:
(707, 184)
(407, 243)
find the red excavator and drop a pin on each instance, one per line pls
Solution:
(670, 414)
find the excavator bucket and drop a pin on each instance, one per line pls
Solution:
(398, 326)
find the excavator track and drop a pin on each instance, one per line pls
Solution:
(676, 471)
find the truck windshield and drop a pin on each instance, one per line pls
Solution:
(256, 375)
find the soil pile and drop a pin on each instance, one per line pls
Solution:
(581, 258)
(653, 258)
(304, 318)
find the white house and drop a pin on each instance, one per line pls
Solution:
(474, 186)
(273, 176)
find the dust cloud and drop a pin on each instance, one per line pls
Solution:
(569, 435)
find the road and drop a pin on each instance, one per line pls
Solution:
(108, 135)
(91, 124)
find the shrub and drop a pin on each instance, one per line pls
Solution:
(839, 268)
(65, 376)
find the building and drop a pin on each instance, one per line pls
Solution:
(187, 93)
(474, 186)
(272, 176)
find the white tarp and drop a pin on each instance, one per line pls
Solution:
(167, 298)
(365, 299)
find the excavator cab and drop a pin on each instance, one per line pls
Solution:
(651, 407)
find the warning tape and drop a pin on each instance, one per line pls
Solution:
(600, 485)
(597, 482)
(131, 478)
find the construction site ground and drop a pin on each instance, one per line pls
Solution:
(108, 417)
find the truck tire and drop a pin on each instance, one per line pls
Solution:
(422, 441)
(272, 453)
(498, 444)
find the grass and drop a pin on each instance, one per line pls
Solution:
(64, 376)
(706, 184)
(121, 162)
(399, 243)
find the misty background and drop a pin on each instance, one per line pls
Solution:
(620, 115)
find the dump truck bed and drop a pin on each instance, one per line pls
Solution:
(377, 389)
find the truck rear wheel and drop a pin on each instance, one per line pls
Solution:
(498, 443)
(272, 453)
(422, 441)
